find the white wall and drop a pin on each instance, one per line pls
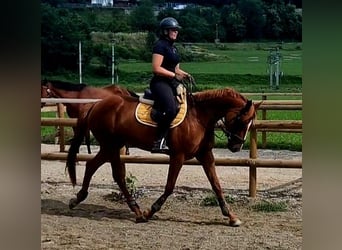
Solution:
(103, 2)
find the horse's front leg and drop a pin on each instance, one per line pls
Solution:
(119, 176)
(175, 166)
(208, 162)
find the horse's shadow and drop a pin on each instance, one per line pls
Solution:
(97, 212)
(89, 211)
(208, 222)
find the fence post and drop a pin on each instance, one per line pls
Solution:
(60, 111)
(263, 133)
(253, 154)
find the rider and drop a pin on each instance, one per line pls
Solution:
(166, 76)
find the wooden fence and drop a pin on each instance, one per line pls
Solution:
(252, 162)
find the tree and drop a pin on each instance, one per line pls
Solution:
(142, 17)
(253, 13)
(292, 23)
(119, 22)
(212, 18)
(61, 31)
(233, 23)
(194, 26)
(273, 27)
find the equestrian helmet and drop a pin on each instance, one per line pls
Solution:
(168, 23)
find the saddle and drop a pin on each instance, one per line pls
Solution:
(146, 108)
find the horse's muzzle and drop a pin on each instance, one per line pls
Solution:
(235, 148)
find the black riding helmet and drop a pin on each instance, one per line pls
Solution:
(168, 23)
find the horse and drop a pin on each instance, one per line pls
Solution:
(62, 89)
(113, 123)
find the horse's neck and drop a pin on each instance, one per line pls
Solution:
(213, 110)
(72, 109)
(60, 93)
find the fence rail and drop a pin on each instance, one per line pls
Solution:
(220, 161)
(252, 162)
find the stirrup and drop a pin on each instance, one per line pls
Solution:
(160, 146)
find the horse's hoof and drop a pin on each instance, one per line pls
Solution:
(235, 223)
(73, 203)
(141, 219)
(147, 214)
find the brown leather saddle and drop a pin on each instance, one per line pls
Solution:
(145, 107)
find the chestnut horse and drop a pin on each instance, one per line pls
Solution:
(61, 89)
(113, 123)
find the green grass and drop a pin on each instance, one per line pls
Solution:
(47, 130)
(48, 133)
(211, 200)
(234, 66)
(267, 206)
(279, 141)
(241, 63)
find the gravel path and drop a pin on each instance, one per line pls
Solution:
(100, 222)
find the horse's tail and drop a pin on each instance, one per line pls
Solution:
(81, 131)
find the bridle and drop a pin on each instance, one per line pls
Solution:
(48, 92)
(237, 122)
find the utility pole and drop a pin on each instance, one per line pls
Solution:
(113, 61)
(216, 32)
(217, 40)
(80, 59)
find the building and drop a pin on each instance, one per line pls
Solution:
(102, 2)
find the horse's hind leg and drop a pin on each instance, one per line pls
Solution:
(119, 175)
(91, 167)
(208, 162)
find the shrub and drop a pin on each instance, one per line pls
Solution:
(211, 200)
(266, 206)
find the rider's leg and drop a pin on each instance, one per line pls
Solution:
(159, 145)
(164, 97)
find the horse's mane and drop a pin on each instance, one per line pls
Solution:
(65, 85)
(224, 93)
(133, 94)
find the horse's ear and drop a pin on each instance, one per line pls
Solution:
(257, 105)
(44, 82)
(247, 107)
(249, 104)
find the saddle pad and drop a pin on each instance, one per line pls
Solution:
(143, 115)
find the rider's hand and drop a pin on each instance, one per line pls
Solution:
(179, 77)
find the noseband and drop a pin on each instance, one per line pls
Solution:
(229, 134)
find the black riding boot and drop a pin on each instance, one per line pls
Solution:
(159, 145)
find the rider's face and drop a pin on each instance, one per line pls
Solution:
(173, 34)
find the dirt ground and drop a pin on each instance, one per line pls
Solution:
(101, 222)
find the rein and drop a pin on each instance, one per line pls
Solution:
(189, 83)
(223, 124)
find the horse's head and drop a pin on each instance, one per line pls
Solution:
(236, 124)
(47, 90)
(44, 91)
